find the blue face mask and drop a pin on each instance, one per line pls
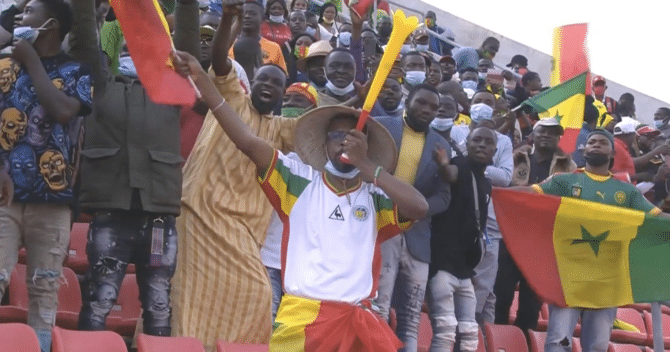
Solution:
(311, 31)
(659, 123)
(405, 48)
(469, 85)
(414, 78)
(340, 91)
(127, 67)
(28, 33)
(345, 38)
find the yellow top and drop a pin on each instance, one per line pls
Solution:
(462, 119)
(220, 288)
(410, 154)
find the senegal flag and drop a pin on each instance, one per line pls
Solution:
(150, 45)
(569, 56)
(578, 253)
(566, 103)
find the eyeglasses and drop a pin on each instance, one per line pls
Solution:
(337, 136)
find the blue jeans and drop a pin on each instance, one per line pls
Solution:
(116, 238)
(452, 302)
(596, 328)
(484, 281)
(277, 291)
(408, 277)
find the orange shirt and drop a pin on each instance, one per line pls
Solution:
(623, 161)
(271, 53)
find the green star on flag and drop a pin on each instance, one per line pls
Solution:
(593, 241)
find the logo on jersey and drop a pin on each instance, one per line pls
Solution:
(576, 191)
(336, 214)
(361, 213)
(620, 197)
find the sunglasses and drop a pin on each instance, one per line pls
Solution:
(337, 136)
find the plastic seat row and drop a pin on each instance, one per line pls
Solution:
(22, 338)
(122, 319)
(76, 259)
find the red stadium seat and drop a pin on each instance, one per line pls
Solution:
(222, 346)
(641, 307)
(425, 333)
(126, 312)
(147, 343)
(86, 341)
(508, 338)
(22, 256)
(633, 317)
(665, 325)
(576, 345)
(536, 340)
(615, 347)
(18, 338)
(543, 319)
(69, 298)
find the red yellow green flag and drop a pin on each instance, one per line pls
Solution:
(569, 54)
(150, 45)
(583, 254)
(565, 102)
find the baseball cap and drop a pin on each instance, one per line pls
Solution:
(518, 59)
(549, 122)
(599, 79)
(646, 130)
(626, 126)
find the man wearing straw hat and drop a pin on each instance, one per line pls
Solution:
(335, 217)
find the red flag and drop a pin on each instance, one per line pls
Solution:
(570, 57)
(150, 45)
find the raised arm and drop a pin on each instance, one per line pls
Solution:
(449, 172)
(223, 38)
(84, 46)
(411, 204)
(257, 149)
(356, 46)
(58, 106)
(187, 30)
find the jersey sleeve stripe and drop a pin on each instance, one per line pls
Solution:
(281, 186)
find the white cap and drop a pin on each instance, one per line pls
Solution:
(626, 126)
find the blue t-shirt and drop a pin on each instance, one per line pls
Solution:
(38, 153)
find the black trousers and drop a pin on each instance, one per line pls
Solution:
(115, 239)
(529, 304)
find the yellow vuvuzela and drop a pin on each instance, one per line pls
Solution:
(402, 28)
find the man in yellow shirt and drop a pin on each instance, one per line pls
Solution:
(405, 258)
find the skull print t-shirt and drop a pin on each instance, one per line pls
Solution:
(39, 153)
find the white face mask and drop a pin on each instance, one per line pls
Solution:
(345, 38)
(405, 48)
(127, 67)
(311, 31)
(276, 19)
(29, 33)
(482, 75)
(345, 175)
(442, 124)
(340, 91)
(480, 113)
(414, 78)
(509, 85)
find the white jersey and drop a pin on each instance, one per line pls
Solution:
(330, 242)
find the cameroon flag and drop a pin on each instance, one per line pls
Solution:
(150, 45)
(565, 102)
(578, 253)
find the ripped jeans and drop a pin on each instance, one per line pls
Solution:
(402, 281)
(44, 230)
(116, 238)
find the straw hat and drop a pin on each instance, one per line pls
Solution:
(310, 141)
(317, 49)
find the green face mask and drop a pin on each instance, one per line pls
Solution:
(292, 112)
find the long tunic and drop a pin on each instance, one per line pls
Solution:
(221, 289)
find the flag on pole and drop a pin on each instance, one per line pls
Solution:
(150, 45)
(565, 102)
(583, 254)
(569, 54)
